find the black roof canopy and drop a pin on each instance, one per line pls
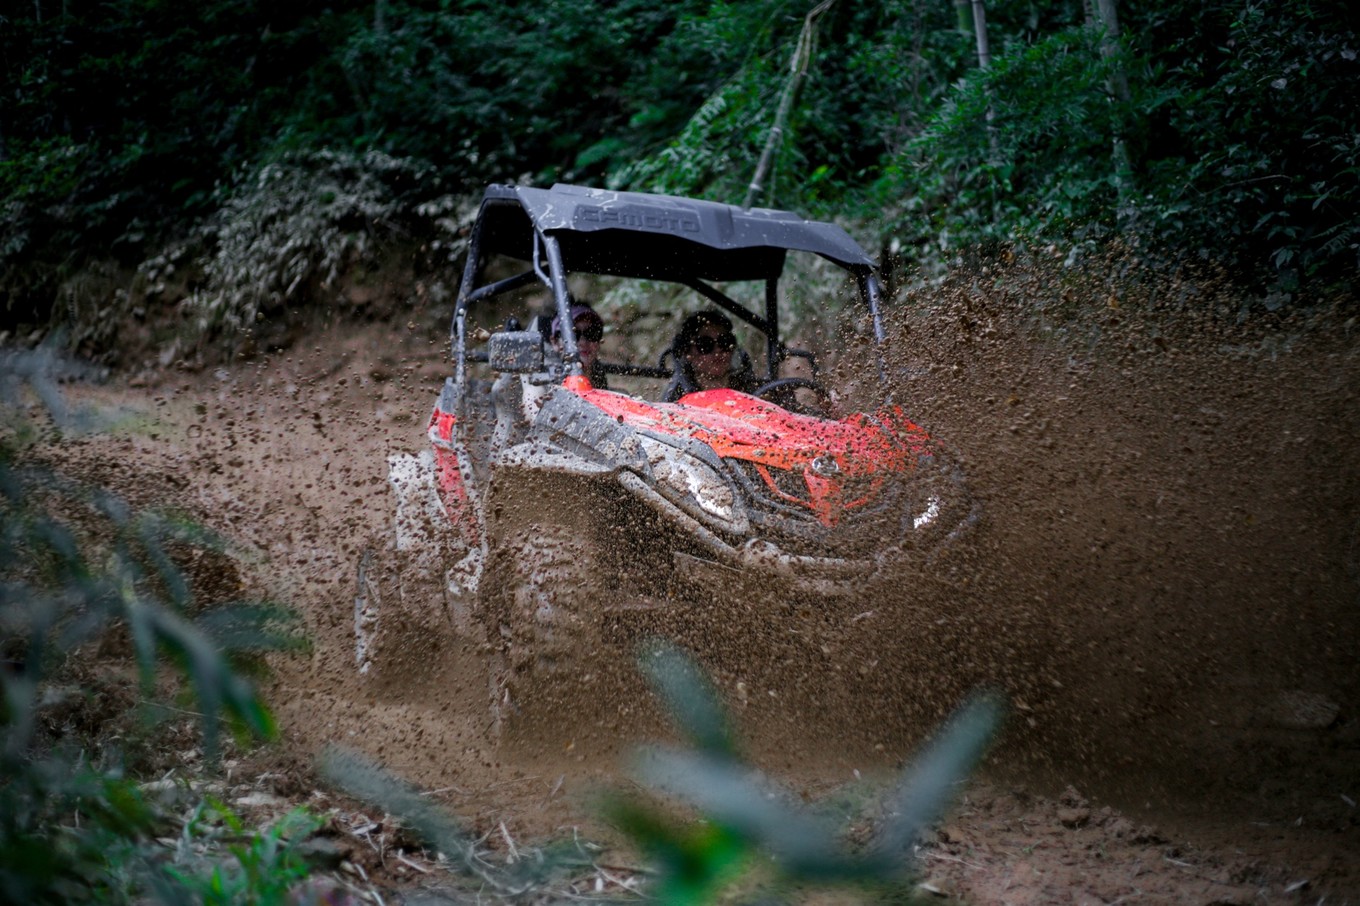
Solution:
(660, 237)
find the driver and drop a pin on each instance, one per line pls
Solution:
(707, 357)
(589, 328)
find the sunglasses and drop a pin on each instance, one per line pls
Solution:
(705, 345)
(586, 332)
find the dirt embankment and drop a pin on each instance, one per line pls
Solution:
(1165, 582)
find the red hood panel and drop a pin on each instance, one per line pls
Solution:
(743, 427)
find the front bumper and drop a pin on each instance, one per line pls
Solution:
(757, 558)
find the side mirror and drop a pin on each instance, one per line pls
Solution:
(519, 351)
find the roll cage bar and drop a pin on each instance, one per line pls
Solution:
(629, 234)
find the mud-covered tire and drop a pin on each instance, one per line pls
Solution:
(415, 580)
(543, 625)
(401, 617)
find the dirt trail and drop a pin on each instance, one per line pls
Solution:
(1166, 582)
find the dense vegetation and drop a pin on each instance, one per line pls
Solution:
(88, 581)
(229, 160)
(257, 150)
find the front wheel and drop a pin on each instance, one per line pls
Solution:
(544, 625)
(402, 622)
(414, 580)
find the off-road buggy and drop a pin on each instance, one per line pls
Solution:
(548, 509)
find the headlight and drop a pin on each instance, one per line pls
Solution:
(927, 515)
(690, 478)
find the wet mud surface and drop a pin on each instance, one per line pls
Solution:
(1165, 583)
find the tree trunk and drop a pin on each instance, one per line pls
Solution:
(802, 55)
(980, 28)
(963, 16)
(1108, 17)
(985, 63)
(1107, 20)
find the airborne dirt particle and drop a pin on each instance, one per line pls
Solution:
(1164, 582)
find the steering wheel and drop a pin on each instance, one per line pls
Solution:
(780, 391)
(790, 384)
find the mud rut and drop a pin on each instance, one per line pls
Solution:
(1166, 583)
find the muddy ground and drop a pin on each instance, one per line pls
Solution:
(1165, 583)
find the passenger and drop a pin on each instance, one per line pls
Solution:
(589, 328)
(704, 352)
(589, 332)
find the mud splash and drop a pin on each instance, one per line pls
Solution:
(1165, 582)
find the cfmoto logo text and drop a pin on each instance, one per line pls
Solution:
(645, 217)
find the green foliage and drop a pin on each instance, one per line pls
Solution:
(78, 565)
(709, 159)
(69, 833)
(486, 91)
(169, 100)
(750, 821)
(265, 867)
(1236, 140)
(714, 154)
(881, 70)
(291, 227)
(161, 98)
(750, 833)
(1240, 126)
(1023, 148)
(1266, 162)
(110, 150)
(119, 120)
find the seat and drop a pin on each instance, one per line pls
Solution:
(681, 383)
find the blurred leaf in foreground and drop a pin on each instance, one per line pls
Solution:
(746, 815)
(748, 829)
(78, 564)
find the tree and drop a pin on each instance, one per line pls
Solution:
(1107, 21)
(802, 57)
